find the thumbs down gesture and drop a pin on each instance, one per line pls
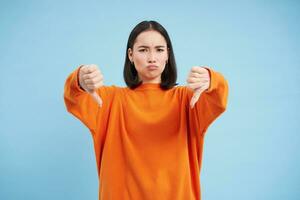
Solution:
(91, 78)
(198, 80)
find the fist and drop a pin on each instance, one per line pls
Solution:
(198, 80)
(91, 78)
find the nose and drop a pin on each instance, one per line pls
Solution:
(151, 57)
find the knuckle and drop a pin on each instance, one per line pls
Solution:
(194, 68)
(93, 81)
(83, 67)
(203, 70)
(89, 68)
(82, 70)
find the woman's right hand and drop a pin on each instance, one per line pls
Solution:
(91, 78)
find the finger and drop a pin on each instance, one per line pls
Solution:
(192, 80)
(195, 86)
(196, 97)
(89, 68)
(197, 75)
(94, 86)
(92, 74)
(203, 86)
(198, 69)
(97, 98)
(195, 80)
(92, 68)
(93, 80)
(84, 69)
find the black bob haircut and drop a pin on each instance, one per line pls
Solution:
(168, 76)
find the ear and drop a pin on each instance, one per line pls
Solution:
(129, 51)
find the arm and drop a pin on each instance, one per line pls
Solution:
(78, 102)
(212, 102)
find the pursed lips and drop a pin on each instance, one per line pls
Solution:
(152, 67)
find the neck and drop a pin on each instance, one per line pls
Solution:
(156, 80)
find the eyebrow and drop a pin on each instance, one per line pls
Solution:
(159, 46)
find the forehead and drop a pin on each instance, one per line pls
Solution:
(150, 38)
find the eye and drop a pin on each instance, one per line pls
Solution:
(161, 50)
(141, 50)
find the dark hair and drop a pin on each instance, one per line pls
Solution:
(168, 76)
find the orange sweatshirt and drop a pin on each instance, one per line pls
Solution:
(148, 142)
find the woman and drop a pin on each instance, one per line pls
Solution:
(148, 137)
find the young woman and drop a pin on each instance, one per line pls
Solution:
(148, 137)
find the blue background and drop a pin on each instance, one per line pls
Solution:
(251, 151)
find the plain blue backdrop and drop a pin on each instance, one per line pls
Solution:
(251, 151)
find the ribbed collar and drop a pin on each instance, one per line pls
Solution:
(146, 86)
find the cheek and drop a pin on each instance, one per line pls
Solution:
(139, 58)
(163, 59)
(139, 66)
(140, 62)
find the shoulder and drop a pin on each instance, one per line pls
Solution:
(108, 90)
(182, 90)
(115, 90)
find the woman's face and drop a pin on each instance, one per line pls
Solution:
(150, 48)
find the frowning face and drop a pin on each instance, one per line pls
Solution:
(149, 55)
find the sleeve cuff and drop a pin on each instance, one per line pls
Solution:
(212, 80)
(75, 81)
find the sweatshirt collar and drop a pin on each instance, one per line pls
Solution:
(149, 86)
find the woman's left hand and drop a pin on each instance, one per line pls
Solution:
(199, 81)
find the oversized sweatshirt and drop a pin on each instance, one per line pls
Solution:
(148, 142)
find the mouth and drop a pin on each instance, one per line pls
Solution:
(152, 67)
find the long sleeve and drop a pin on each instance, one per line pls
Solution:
(212, 102)
(81, 104)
